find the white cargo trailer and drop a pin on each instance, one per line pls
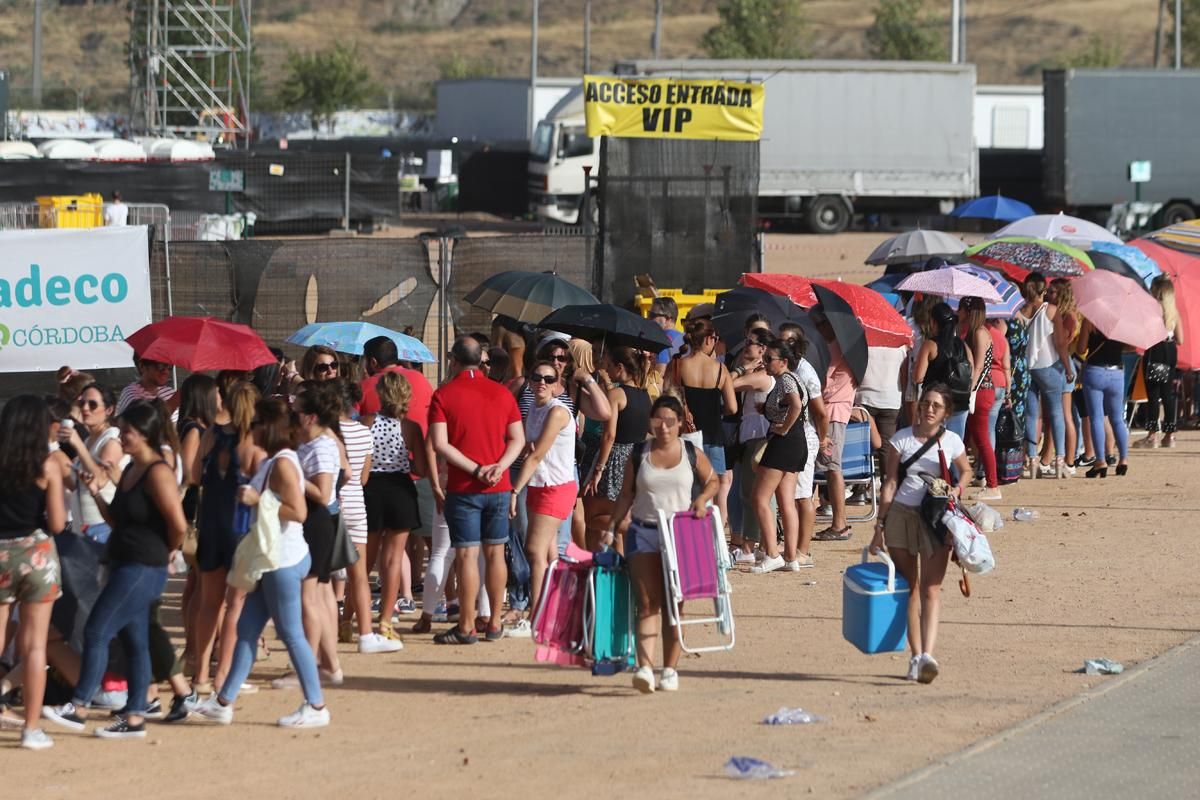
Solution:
(839, 138)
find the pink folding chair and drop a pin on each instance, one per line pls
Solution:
(558, 628)
(695, 567)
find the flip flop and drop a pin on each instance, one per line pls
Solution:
(832, 535)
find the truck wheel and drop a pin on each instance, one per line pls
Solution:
(828, 214)
(1175, 213)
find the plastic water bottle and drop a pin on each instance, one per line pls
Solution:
(747, 768)
(792, 716)
(1025, 514)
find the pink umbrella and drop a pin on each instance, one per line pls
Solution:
(950, 282)
(1120, 309)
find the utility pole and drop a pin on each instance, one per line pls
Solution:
(37, 53)
(658, 8)
(962, 31)
(587, 36)
(1178, 34)
(955, 13)
(1159, 33)
(533, 56)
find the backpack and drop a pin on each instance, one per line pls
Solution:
(952, 369)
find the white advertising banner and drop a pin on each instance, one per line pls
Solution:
(71, 296)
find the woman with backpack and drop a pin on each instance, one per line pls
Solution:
(925, 449)
(944, 359)
(668, 474)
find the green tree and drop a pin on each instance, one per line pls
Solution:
(1098, 52)
(905, 31)
(322, 83)
(758, 29)
(1190, 35)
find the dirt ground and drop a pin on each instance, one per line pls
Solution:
(1105, 571)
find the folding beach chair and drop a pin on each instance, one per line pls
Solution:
(695, 567)
(558, 622)
(858, 469)
(608, 618)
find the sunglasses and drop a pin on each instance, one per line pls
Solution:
(485, 364)
(546, 379)
(325, 367)
(561, 357)
(90, 405)
(775, 358)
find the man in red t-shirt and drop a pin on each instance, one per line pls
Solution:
(475, 425)
(379, 356)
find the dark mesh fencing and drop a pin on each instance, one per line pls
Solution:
(682, 211)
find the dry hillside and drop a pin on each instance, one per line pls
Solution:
(408, 43)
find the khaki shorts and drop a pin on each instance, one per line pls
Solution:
(905, 530)
(29, 571)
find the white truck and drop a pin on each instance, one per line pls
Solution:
(839, 138)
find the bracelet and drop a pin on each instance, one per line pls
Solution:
(475, 474)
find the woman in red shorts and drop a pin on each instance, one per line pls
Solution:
(548, 471)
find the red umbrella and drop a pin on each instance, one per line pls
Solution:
(1184, 271)
(200, 343)
(883, 324)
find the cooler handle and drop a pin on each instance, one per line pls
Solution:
(885, 558)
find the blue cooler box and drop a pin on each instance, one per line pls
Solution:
(875, 606)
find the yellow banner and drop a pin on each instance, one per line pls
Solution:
(668, 108)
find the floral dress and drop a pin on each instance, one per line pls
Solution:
(1018, 343)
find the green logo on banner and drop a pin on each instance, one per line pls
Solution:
(5, 338)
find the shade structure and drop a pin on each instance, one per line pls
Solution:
(606, 323)
(1011, 299)
(914, 246)
(1124, 260)
(1120, 308)
(994, 206)
(1018, 256)
(349, 337)
(738, 303)
(527, 296)
(1059, 228)
(1184, 271)
(950, 282)
(200, 343)
(1183, 236)
(883, 324)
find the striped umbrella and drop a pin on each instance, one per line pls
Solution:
(1017, 256)
(950, 282)
(527, 296)
(1011, 300)
(1183, 236)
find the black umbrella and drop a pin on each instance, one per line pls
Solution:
(1111, 263)
(734, 306)
(526, 296)
(847, 330)
(614, 326)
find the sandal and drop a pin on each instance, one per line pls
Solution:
(831, 534)
(455, 636)
(494, 636)
(423, 625)
(482, 624)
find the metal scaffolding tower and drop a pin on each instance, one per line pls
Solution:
(190, 69)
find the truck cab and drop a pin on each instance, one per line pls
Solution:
(560, 150)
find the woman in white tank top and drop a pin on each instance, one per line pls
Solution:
(548, 471)
(660, 477)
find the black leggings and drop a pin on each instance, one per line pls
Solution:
(1168, 395)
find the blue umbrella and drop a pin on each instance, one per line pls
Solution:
(349, 337)
(1010, 294)
(993, 207)
(1139, 263)
(886, 286)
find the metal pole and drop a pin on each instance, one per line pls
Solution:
(249, 66)
(1178, 34)
(37, 53)
(962, 31)
(346, 219)
(1158, 33)
(533, 58)
(587, 36)
(443, 304)
(954, 15)
(658, 11)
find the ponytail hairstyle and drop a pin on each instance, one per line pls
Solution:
(323, 400)
(240, 400)
(1033, 287)
(972, 313)
(784, 350)
(947, 327)
(696, 332)
(629, 360)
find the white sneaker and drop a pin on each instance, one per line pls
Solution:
(521, 629)
(914, 668)
(990, 494)
(306, 717)
(331, 678)
(801, 561)
(769, 564)
(669, 680)
(211, 710)
(643, 680)
(740, 556)
(374, 643)
(928, 669)
(247, 688)
(36, 739)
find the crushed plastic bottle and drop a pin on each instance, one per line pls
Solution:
(747, 768)
(792, 716)
(1025, 514)
(1101, 666)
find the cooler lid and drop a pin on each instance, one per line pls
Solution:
(871, 578)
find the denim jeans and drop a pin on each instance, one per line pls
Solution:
(476, 519)
(518, 596)
(122, 609)
(1001, 392)
(1105, 393)
(277, 598)
(1047, 390)
(957, 422)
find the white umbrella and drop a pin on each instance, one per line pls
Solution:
(913, 246)
(1059, 228)
(950, 282)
